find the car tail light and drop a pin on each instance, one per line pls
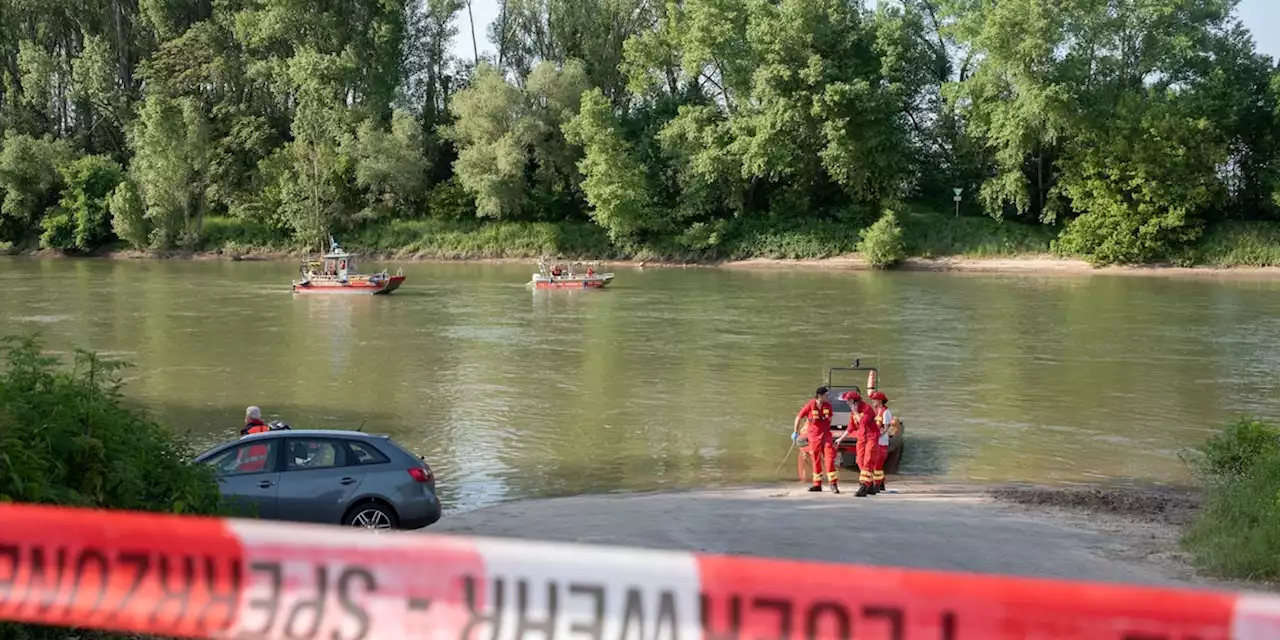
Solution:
(422, 475)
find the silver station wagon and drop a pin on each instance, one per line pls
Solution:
(334, 477)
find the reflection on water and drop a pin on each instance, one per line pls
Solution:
(677, 378)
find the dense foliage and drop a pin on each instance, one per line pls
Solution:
(1235, 535)
(66, 439)
(1128, 128)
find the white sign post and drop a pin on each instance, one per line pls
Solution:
(958, 191)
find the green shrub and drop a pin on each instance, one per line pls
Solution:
(881, 243)
(1234, 451)
(66, 439)
(234, 235)
(59, 230)
(1237, 534)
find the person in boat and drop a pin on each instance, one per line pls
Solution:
(817, 413)
(888, 425)
(590, 272)
(862, 425)
(555, 271)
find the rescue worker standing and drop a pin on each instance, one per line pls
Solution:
(862, 423)
(253, 422)
(817, 412)
(888, 425)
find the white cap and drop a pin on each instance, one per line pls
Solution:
(253, 412)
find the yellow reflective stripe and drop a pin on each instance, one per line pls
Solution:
(879, 475)
(831, 475)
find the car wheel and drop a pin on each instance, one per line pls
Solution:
(895, 458)
(372, 516)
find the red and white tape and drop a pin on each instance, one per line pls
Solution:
(198, 577)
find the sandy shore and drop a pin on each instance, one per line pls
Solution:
(1031, 264)
(1022, 531)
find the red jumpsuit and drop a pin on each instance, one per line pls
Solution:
(862, 421)
(881, 450)
(821, 445)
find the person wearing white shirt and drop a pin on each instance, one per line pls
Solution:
(888, 425)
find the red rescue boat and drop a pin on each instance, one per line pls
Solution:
(336, 272)
(569, 275)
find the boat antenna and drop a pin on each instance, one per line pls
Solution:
(362, 423)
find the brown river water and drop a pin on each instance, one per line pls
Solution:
(678, 378)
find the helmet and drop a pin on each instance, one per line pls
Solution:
(851, 396)
(879, 395)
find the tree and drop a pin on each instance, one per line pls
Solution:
(314, 183)
(614, 180)
(170, 167)
(511, 149)
(81, 220)
(30, 180)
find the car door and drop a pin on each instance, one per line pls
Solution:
(248, 477)
(317, 483)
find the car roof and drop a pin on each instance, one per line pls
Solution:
(330, 433)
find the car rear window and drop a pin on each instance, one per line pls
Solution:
(363, 453)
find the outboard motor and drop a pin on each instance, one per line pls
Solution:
(277, 425)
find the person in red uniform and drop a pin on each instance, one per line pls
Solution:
(862, 425)
(817, 412)
(888, 424)
(253, 458)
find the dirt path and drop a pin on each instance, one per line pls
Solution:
(918, 525)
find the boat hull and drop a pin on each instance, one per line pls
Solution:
(359, 286)
(577, 283)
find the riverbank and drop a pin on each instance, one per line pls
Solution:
(1121, 535)
(1026, 264)
(931, 241)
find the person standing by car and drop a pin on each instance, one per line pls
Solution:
(817, 413)
(253, 422)
(862, 424)
(253, 458)
(888, 425)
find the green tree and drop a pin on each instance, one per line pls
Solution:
(313, 186)
(30, 181)
(170, 167)
(83, 210)
(614, 180)
(511, 147)
(129, 215)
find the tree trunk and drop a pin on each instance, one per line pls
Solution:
(472, 20)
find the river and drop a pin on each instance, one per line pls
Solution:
(678, 378)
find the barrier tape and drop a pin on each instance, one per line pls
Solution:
(198, 577)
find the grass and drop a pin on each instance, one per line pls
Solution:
(1239, 244)
(1237, 535)
(930, 234)
(926, 233)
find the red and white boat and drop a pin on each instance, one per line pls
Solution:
(569, 275)
(336, 273)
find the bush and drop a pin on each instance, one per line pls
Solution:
(66, 439)
(881, 243)
(1237, 534)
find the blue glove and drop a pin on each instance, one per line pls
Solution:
(794, 436)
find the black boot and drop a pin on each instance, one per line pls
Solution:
(815, 488)
(880, 486)
(835, 488)
(872, 489)
(862, 491)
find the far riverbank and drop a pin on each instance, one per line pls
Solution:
(1038, 264)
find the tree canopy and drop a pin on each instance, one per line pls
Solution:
(1130, 125)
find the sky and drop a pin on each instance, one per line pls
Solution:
(1261, 16)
